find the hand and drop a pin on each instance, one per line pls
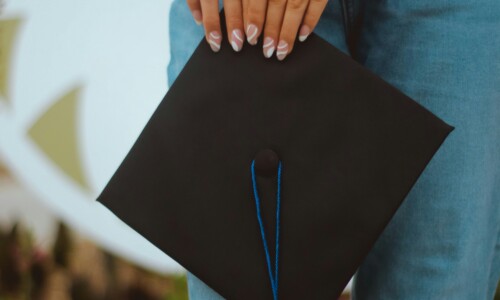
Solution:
(280, 20)
(207, 12)
(283, 20)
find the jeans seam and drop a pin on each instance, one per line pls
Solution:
(350, 9)
(345, 17)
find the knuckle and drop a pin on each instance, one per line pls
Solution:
(233, 19)
(210, 2)
(210, 23)
(277, 2)
(296, 4)
(254, 12)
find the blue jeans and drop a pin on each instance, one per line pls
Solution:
(443, 242)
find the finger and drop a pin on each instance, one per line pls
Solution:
(234, 21)
(244, 6)
(294, 14)
(211, 22)
(311, 18)
(274, 18)
(256, 13)
(195, 8)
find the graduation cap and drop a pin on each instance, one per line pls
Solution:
(273, 179)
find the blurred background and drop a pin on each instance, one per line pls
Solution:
(78, 82)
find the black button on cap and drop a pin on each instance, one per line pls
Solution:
(266, 163)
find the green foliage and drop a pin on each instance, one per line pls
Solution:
(180, 290)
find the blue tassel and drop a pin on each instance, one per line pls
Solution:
(273, 277)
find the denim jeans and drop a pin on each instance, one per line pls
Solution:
(443, 242)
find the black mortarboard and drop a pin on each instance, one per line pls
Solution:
(336, 146)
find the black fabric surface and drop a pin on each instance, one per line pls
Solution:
(351, 145)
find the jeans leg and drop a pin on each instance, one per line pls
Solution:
(443, 242)
(184, 36)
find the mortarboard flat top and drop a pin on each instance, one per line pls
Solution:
(351, 146)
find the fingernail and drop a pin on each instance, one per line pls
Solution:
(197, 17)
(282, 50)
(237, 39)
(304, 33)
(268, 47)
(214, 39)
(252, 34)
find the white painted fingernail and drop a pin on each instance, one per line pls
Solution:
(237, 40)
(282, 50)
(304, 33)
(197, 17)
(252, 34)
(268, 47)
(214, 39)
